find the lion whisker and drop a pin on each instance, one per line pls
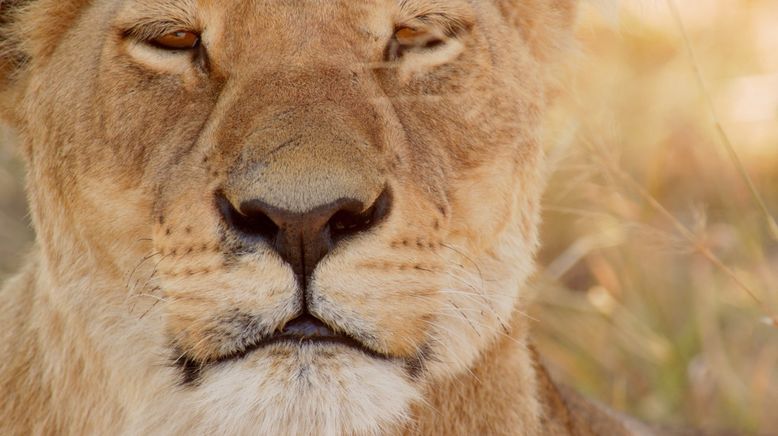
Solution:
(498, 331)
(466, 257)
(154, 271)
(135, 269)
(449, 331)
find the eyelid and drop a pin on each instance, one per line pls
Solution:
(150, 30)
(452, 19)
(419, 37)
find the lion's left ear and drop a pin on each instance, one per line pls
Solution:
(545, 25)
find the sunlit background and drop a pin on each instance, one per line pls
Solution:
(660, 268)
(659, 273)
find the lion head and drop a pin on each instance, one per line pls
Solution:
(272, 215)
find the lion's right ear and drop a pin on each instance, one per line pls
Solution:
(30, 30)
(9, 52)
(12, 55)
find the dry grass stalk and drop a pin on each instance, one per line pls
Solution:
(697, 243)
(722, 134)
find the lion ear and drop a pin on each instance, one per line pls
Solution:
(12, 56)
(545, 25)
(29, 29)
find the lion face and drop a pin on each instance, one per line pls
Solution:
(328, 205)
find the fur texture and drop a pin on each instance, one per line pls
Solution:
(138, 291)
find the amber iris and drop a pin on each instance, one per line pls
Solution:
(410, 36)
(180, 40)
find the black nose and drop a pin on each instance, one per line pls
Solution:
(303, 239)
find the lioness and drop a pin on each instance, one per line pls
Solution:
(280, 217)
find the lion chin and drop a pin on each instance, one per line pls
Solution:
(289, 389)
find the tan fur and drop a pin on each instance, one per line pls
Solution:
(135, 273)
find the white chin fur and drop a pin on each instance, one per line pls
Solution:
(313, 390)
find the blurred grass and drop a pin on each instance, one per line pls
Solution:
(629, 310)
(15, 231)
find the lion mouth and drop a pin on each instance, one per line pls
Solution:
(309, 329)
(303, 331)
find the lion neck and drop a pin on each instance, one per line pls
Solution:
(54, 353)
(510, 392)
(497, 396)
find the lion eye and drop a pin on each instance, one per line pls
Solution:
(409, 38)
(180, 40)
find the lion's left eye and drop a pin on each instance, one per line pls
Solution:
(179, 40)
(410, 38)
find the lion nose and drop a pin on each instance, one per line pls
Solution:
(303, 239)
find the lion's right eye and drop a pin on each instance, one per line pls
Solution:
(178, 41)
